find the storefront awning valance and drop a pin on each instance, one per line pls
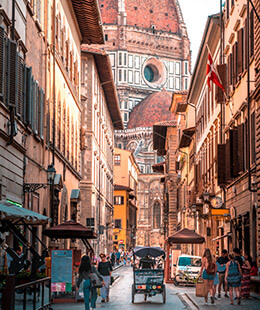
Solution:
(15, 213)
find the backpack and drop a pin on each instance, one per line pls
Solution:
(210, 268)
(95, 281)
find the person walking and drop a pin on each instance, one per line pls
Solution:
(105, 269)
(208, 272)
(221, 268)
(112, 258)
(85, 270)
(233, 278)
(245, 282)
(118, 255)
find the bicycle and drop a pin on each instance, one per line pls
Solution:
(186, 278)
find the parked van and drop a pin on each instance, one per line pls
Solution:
(189, 264)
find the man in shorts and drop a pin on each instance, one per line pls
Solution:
(221, 264)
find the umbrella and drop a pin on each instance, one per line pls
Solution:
(186, 236)
(70, 230)
(151, 251)
(14, 213)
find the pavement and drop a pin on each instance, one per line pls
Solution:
(177, 298)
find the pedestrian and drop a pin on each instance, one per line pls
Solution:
(208, 272)
(215, 283)
(254, 269)
(233, 278)
(221, 268)
(118, 255)
(85, 270)
(112, 258)
(105, 269)
(245, 282)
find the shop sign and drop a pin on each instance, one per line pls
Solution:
(220, 212)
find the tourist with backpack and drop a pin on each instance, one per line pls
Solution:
(233, 278)
(208, 272)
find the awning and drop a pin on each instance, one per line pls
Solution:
(186, 137)
(75, 195)
(70, 230)
(14, 213)
(186, 236)
(158, 167)
(223, 236)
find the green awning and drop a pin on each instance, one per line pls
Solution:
(14, 213)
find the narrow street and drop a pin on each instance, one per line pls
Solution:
(176, 298)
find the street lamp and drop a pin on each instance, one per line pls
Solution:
(50, 174)
(205, 196)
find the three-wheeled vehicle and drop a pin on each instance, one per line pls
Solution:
(148, 281)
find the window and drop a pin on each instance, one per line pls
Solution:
(130, 61)
(120, 59)
(137, 77)
(112, 59)
(156, 216)
(126, 107)
(137, 62)
(118, 200)
(185, 84)
(118, 224)
(120, 75)
(130, 104)
(130, 76)
(125, 117)
(177, 83)
(171, 68)
(186, 68)
(117, 159)
(106, 37)
(171, 85)
(177, 68)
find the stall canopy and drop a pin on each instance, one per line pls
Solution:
(70, 230)
(185, 235)
(16, 213)
(150, 251)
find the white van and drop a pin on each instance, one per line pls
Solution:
(189, 264)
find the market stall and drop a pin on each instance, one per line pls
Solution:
(183, 236)
(65, 262)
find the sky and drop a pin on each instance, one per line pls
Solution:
(195, 14)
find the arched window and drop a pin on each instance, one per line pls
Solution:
(157, 215)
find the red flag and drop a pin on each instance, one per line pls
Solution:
(212, 74)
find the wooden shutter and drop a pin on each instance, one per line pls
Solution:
(240, 148)
(251, 34)
(36, 107)
(240, 51)
(234, 65)
(2, 59)
(228, 161)
(234, 151)
(245, 44)
(253, 157)
(28, 96)
(245, 134)
(20, 69)
(48, 121)
(33, 111)
(41, 114)
(221, 150)
(12, 72)
(222, 71)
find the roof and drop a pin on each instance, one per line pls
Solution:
(162, 14)
(186, 137)
(153, 109)
(13, 212)
(159, 135)
(89, 20)
(103, 65)
(75, 195)
(178, 97)
(159, 167)
(122, 188)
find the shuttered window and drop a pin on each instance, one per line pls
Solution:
(41, 114)
(228, 161)
(240, 41)
(222, 71)
(20, 87)
(251, 34)
(221, 155)
(253, 154)
(240, 148)
(2, 59)
(234, 151)
(12, 73)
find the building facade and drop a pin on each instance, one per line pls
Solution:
(100, 117)
(126, 171)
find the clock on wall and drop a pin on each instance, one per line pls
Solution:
(216, 202)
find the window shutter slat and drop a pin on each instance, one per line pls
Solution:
(234, 153)
(12, 73)
(228, 161)
(2, 59)
(41, 115)
(28, 96)
(251, 34)
(221, 151)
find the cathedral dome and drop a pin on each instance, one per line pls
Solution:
(151, 110)
(157, 14)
